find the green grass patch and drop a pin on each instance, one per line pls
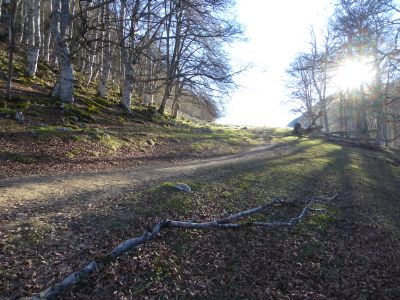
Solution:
(5, 111)
(81, 113)
(50, 129)
(112, 143)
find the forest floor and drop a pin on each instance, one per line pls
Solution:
(53, 225)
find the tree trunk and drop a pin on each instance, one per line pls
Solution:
(176, 103)
(92, 56)
(47, 43)
(127, 89)
(395, 135)
(32, 54)
(380, 117)
(126, 85)
(105, 67)
(11, 8)
(5, 20)
(342, 117)
(167, 93)
(23, 25)
(64, 89)
(385, 123)
(324, 100)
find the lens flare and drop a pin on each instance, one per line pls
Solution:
(353, 72)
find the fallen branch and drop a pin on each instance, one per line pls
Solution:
(352, 139)
(148, 235)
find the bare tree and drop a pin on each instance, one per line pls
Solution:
(301, 85)
(319, 66)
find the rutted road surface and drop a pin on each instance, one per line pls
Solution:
(22, 197)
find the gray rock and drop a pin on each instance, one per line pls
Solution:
(183, 187)
(74, 118)
(63, 129)
(19, 116)
(205, 130)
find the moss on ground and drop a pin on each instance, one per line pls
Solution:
(316, 167)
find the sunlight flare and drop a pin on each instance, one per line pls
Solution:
(353, 72)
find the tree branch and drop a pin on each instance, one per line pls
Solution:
(225, 223)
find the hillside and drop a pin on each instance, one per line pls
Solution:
(96, 133)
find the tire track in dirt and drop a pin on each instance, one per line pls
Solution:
(26, 195)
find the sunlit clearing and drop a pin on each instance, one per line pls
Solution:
(353, 72)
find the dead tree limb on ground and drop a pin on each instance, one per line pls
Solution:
(355, 139)
(225, 223)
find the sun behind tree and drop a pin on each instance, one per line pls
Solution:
(353, 72)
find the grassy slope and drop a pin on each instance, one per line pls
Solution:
(351, 253)
(96, 133)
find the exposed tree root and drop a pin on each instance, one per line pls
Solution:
(226, 223)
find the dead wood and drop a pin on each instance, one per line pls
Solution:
(350, 138)
(225, 223)
(300, 131)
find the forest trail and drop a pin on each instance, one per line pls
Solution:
(34, 195)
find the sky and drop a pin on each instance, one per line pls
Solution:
(275, 32)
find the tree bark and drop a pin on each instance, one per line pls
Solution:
(24, 21)
(32, 54)
(5, 19)
(47, 43)
(341, 112)
(126, 87)
(105, 57)
(380, 117)
(105, 67)
(176, 103)
(8, 16)
(64, 88)
(92, 55)
(167, 94)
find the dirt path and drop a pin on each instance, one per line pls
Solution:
(27, 196)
